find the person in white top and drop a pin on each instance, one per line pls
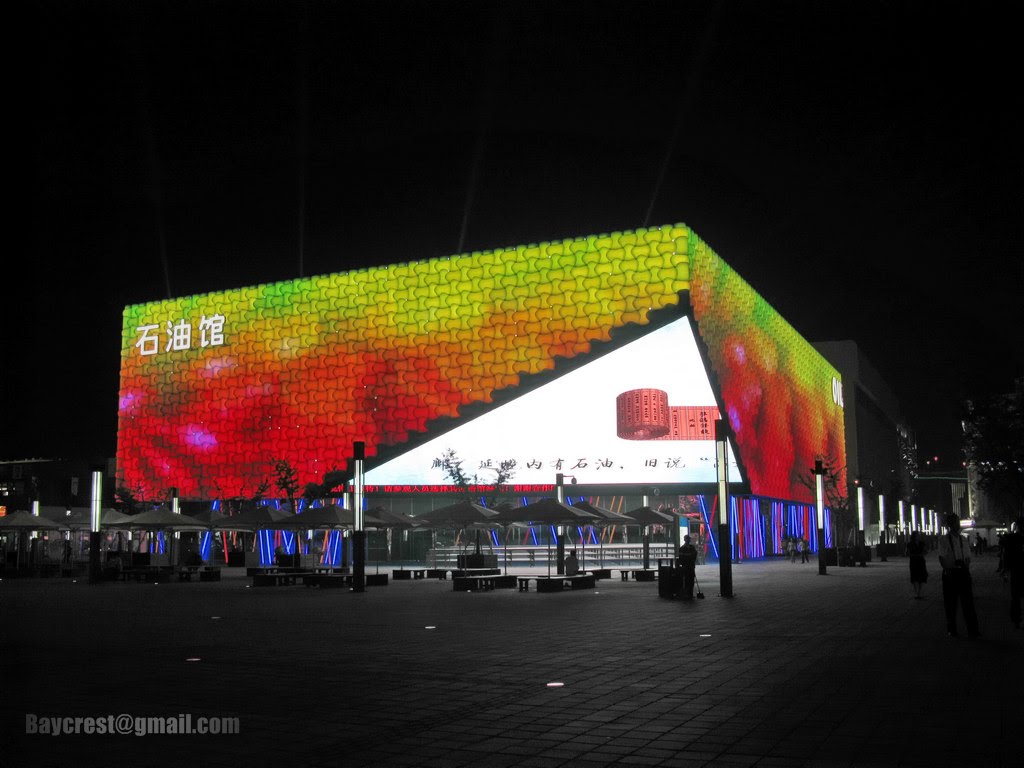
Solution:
(955, 558)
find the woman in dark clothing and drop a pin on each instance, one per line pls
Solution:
(918, 569)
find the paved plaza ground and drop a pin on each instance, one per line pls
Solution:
(796, 669)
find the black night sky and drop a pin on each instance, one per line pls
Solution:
(858, 163)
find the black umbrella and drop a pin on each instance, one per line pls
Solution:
(647, 516)
(160, 519)
(330, 517)
(548, 511)
(22, 521)
(208, 517)
(258, 518)
(394, 521)
(607, 517)
(462, 515)
(459, 515)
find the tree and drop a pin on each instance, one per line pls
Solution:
(287, 481)
(129, 498)
(837, 499)
(333, 480)
(993, 445)
(468, 487)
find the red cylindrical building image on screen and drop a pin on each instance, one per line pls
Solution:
(642, 414)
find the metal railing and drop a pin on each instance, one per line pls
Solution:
(517, 555)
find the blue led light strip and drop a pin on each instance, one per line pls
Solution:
(707, 522)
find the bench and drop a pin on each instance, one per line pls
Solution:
(251, 571)
(154, 573)
(557, 583)
(203, 572)
(639, 574)
(476, 572)
(481, 582)
(327, 580)
(437, 573)
(600, 573)
(274, 578)
(400, 574)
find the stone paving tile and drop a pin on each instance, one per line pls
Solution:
(796, 670)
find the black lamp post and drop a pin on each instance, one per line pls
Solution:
(724, 537)
(860, 531)
(95, 503)
(819, 501)
(358, 529)
(560, 536)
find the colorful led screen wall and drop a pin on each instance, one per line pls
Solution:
(216, 387)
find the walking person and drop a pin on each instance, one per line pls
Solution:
(1013, 565)
(918, 568)
(955, 558)
(688, 565)
(805, 549)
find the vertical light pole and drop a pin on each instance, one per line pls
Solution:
(724, 538)
(913, 518)
(35, 513)
(902, 523)
(346, 503)
(645, 536)
(358, 528)
(819, 502)
(95, 572)
(174, 535)
(882, 538)
(560, 536)
(860, 519)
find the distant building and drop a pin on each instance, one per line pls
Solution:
(53, 482)
(881, 450)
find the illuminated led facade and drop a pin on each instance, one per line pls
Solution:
(542, 353)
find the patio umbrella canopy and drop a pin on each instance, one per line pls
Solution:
(548, 511)
(390, 519)
(462, 515)
(208, 517)
(319, 518)
(80, 518)
(648, 516)
(459, 515)
(606, 519)
(159, 519)
(23, 520)
(260, 518)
